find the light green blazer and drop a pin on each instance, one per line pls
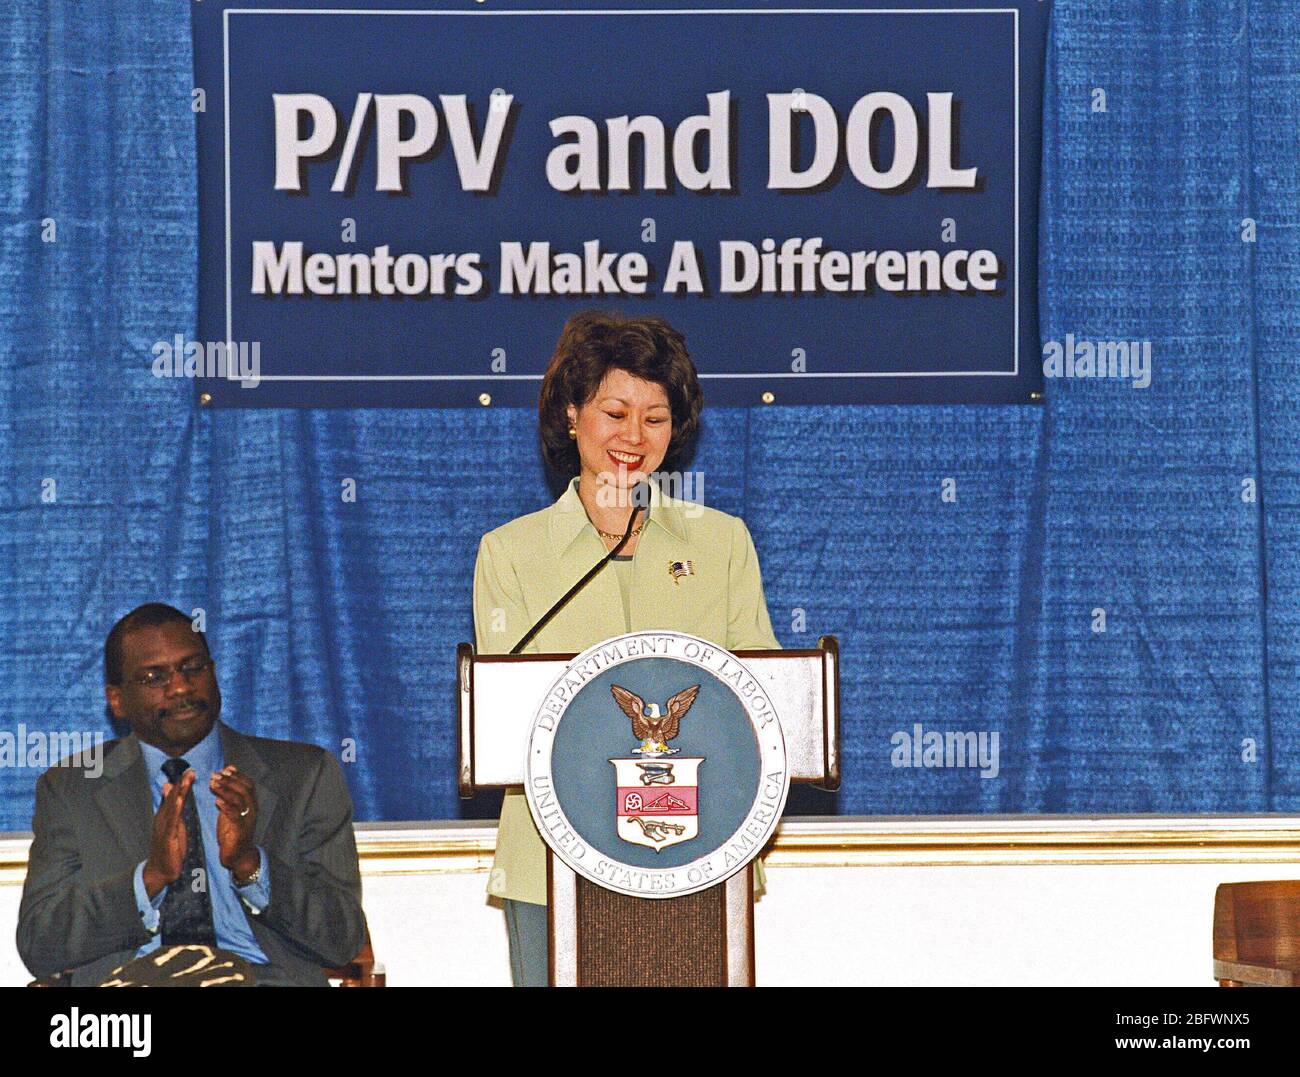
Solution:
(526, 565)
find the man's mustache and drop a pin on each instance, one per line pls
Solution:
(197, 704)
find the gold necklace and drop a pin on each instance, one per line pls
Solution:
(618, 538)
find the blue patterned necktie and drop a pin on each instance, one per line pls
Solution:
(187, 909)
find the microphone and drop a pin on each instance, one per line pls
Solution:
(639, 495)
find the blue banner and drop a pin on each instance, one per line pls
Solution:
(400, 205)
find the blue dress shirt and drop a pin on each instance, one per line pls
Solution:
(232, 928)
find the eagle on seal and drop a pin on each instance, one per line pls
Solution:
(651, 727)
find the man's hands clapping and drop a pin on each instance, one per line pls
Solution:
(236, 798)
(236, 820)
(168, 843)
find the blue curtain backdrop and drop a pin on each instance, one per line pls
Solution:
(334, 620)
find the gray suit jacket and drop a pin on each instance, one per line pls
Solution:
(78, 907)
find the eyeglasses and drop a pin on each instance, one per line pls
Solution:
(158, 676)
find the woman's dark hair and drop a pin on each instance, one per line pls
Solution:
(591, 345)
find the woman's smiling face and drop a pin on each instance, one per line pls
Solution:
(623, 430)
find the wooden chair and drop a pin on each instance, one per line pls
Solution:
(360, 971)
(1257, 934)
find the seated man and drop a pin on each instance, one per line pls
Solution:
(190, 832)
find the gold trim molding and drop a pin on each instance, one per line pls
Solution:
(870, 841)
(982, 842)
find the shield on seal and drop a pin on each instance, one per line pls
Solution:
(657, 800)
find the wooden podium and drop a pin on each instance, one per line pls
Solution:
(598, 936)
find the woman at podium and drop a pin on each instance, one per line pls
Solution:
(620, 403)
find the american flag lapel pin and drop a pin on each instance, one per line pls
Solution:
(678, 569)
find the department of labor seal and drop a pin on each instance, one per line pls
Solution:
(656, 765)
